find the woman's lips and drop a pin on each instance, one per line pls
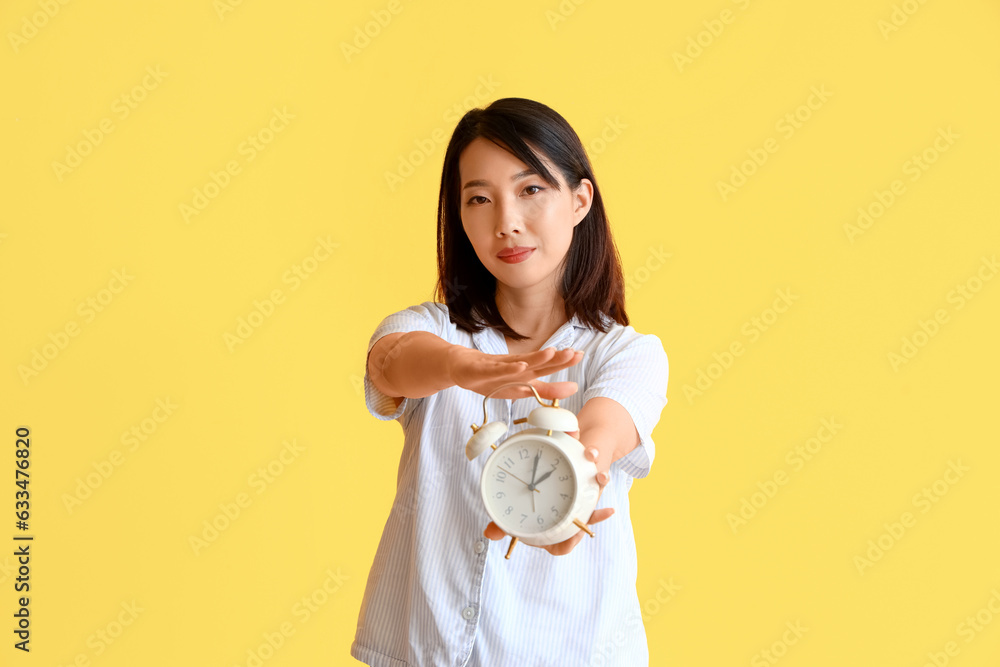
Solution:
(518, 255)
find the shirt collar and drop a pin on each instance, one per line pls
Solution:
(491, 341)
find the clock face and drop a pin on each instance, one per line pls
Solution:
(529, 486)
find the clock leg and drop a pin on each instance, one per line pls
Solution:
(583, 527)
(510, 549)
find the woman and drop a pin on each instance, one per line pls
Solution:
(529, 286)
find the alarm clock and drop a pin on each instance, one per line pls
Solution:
(537, 485)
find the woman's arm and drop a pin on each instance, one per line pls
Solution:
(411, 365)
(418, 363)
(608, 427)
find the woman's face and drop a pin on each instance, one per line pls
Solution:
(519, 225)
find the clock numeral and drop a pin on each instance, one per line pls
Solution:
(500, 494)
(510, 508)
(541, 520)
(555, 511)
(565, 496)
(501, 476)
(563, 478)
(554, 465)
(523, 517)
(509, 462)
(524, 453)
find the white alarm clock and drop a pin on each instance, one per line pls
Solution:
(537, 485)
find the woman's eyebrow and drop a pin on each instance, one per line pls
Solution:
(519, 175)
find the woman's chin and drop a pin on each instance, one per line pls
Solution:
(519, 283)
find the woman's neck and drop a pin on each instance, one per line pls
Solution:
(536, 316)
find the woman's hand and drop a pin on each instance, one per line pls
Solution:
(482, 373)
(562, 548)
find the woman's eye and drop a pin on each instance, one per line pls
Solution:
(474, 200)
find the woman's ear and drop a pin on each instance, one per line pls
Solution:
(583, 197)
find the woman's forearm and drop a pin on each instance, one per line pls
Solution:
(413, 364)
(607, 426)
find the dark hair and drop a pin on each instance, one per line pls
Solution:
(592, 285)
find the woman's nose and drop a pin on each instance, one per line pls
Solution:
(508, 220)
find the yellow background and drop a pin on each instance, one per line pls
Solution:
(680, 128)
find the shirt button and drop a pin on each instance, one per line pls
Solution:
(468, 613)
(480, 547)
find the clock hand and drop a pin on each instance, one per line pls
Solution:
(534, 469)
(543, 478)
(518, 479)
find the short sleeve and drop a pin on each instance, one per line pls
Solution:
(425, 317)
(635, 375)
